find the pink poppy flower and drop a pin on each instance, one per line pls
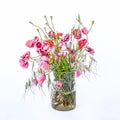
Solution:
(42, 52)
(66, 37)
(49, 43)
(30, 43)
(77, 34)
(90, 50)
(44, 58)
(72, 51)
(58, 84)
(84, 30)
(41, 78)
(60, 44)
(26, 56)
(36, 38)
(34, 82)
(23, 63)
(38, 44)
(72, 58)
(78, 73)
(82, 43)
(51, 34)
(63, 54)
(44, 65)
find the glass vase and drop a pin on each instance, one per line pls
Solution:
(63, 93)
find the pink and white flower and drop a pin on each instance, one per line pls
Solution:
(82, 43)
(72, 59)
(44, 58)
(63, 54)
(23, 63)
(77, 34)
(51, 34)
(34, 82)
(26, 56)
(38, 44)
(44, 65)
(58, 84)
(36, 38)
(66, 37)
(90, 50)
(41, 78)
(84, 30)
(78, 73)
(30, 43)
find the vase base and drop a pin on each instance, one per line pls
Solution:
(61, 108)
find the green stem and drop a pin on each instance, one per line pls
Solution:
(51, 18)
(38, 27)
(91, 26)
(47, 23)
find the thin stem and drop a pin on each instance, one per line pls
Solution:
(91, 26)
(47, 23)
(39, 28)
(39, 34)
(51, 18)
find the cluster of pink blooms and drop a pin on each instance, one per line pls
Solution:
(47, 52)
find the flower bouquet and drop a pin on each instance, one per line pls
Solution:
(66, 56)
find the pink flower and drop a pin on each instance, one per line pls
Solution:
(42, 52)
(49, 43)
(84, 30)
(66, 37)
(44, 65)
(82, 43)
(72, 58)
(78, 73)
(44, 58)
(77, 34)
(26, 56)
(51, 34)
(23, 63)
(45, 47)
(34, 81)
(63, 54)
(58, 84)
(38, 44)
(72, 51)
(41, 78)
(90, 50)
(30, 43)
(36, 38)
(60, 44)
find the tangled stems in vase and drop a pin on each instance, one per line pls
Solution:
(61, 53)
(63, 92)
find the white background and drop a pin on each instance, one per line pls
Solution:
(97, 99)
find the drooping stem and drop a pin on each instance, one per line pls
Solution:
(92, 23)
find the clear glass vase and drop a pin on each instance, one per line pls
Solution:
(63, 93)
